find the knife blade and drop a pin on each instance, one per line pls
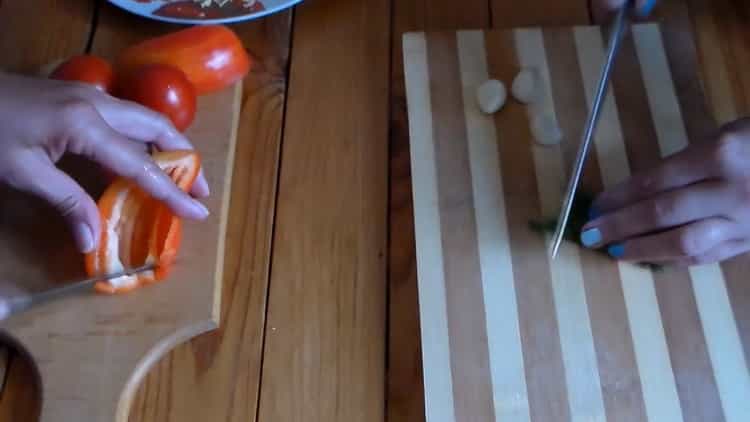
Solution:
(616, 34)
(15, 305)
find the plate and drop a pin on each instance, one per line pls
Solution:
(203, 11)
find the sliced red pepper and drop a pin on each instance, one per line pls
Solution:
(138, 230)
(211, 56)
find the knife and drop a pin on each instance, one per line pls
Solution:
(15, 305)
(616, 34)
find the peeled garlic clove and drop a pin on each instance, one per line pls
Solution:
(546, 130)
(526, 86)
(491, 96)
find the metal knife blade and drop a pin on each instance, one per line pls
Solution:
(616, 34)
(19, 304)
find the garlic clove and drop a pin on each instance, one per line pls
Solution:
(491, 96)
(526, 86)
(546, 131)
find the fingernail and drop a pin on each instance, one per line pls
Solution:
(84, 237)
(591, 237)
(4, 310)
(200, 210)
(594, 213)
(646, 9)
(616, 251)
(205, 189)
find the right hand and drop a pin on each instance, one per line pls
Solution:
(603, 9)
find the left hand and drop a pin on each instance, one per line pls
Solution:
(692, 209)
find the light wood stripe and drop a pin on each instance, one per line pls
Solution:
(438, 383)
(718, 323)
(654, 366)
(503, 332)
(545, 374)
(463, 281)
(579, 357)
(620, 384)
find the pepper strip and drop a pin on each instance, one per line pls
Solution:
(138, 230)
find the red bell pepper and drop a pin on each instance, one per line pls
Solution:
(211, 56)
(138, 230)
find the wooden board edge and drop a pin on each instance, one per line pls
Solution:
(185, 334)
(226, 205)
(142, 368)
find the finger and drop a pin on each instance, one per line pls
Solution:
(37, 175)
(92, 137)
(603, 9)
(669, 209)
(722, 252)
(679, 244)
(682, 169)
(145, 125)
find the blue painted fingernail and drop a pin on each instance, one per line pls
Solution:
(616, 251)
(594, 213)
(591, 237)
(646, 8)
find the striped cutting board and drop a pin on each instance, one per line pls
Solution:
(510, 336)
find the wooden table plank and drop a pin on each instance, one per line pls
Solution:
(325, 344)
(66, 32)
(405, 388)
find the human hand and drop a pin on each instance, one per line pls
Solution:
(43, 119)
(692, 209)
(603, 9)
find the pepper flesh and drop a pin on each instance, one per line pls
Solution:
(211, 56)
(138, 230)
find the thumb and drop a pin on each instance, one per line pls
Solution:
(37, 175)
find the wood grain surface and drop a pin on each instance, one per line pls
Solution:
(593, 339)
(324, 350)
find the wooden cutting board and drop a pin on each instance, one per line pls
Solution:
(92, 350)
(507, 334)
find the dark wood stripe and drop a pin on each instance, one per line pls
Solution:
(540, 337)
(472, 383)
(735, 270)
(708, 24)
(734, 44)
(621, 385)
(683, 59)
(696, 387)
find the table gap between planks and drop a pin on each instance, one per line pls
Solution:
(305, 283)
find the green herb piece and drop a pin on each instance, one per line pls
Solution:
(579, 216)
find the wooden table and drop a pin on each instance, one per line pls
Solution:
(320, 319)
